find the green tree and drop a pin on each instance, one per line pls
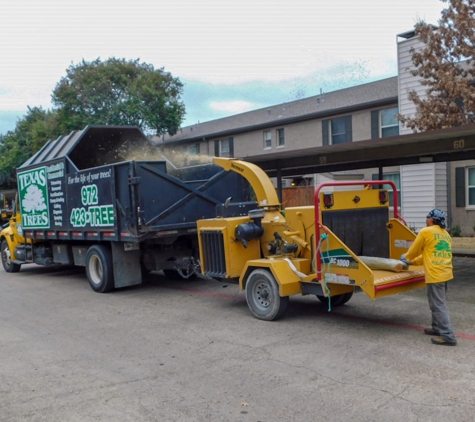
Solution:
(30, 134)
(119, 92)
(447, 69)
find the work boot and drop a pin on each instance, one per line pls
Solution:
(431, 332)
(442, 342)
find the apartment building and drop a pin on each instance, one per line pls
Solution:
(348, 116)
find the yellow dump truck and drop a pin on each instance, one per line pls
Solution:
(346, 242)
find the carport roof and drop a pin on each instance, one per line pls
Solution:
(443, 145)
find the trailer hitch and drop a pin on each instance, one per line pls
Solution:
(193, 268)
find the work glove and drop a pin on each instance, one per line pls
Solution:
(403, 259)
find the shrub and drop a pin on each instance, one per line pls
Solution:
(455, 231)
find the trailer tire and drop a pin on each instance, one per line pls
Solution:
(8, 265)
(337, 300)
(262, 295)
(99, 270)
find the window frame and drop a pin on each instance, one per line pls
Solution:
(334, 122)
(468, 186)
(218, 147)
(386, 127)
(267, 140)
(190, 150)
(280, 134)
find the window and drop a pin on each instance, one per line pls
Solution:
(396, 179)
(471, 185)
(280, 138)
(384, 123)
(337, 131)
(465, 187)
(267, 139)
(389, 122)
(194, 149)
(224, 148)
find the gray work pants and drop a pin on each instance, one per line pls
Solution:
(440, 313)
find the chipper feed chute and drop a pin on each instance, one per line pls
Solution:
(359, 244)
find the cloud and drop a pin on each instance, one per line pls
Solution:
(232, 107)
(270, 50)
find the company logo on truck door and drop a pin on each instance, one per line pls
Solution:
(94, 215)
(34, 204)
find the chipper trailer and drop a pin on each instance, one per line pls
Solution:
(346, 242)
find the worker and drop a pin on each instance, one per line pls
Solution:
(433, 248)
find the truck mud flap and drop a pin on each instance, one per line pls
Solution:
(126, 263)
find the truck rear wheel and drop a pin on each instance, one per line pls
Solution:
(337, 300)
(262, 295)
(8, 265)
(100, 273)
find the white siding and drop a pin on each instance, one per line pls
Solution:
(423, 186)
(407, 82)
(417, 193)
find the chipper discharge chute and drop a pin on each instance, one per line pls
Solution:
(346, 242)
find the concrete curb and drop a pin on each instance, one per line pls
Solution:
(468, 253)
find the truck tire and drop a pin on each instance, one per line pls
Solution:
(262, 295)
(337, 300)
(100, 273)
(8, 265)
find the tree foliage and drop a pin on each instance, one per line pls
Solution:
(30, 134)
(119, 92)
(113, 92)
(447, 69)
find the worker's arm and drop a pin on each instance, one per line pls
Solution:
(414, 253)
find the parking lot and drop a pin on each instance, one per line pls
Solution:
(190, 351)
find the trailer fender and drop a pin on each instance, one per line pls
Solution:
(287, 279)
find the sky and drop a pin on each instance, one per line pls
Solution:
(231, 56)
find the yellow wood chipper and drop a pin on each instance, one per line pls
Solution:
(346, 242)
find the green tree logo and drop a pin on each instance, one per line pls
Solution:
(34, 200)
(443, 246)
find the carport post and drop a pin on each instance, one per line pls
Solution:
(279, 180)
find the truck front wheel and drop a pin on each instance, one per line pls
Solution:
(262, 295)
(100, 273)
(8, 265)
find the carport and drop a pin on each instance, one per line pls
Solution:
(453, 144)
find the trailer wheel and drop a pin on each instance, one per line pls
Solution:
(8, 265)
(99, 269)
(262, 295)
(337, 300)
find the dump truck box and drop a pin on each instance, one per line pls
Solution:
(74, 189)
(94, 187)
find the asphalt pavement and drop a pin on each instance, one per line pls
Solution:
(191, 351)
